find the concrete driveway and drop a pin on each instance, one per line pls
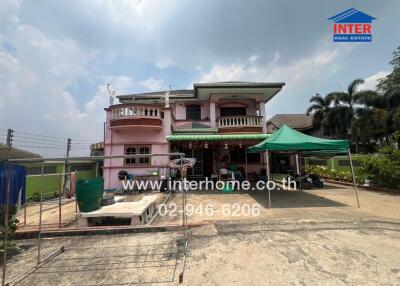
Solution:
(316, 237)
(278, 252)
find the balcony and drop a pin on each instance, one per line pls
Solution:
(135, 116)
(240, 123)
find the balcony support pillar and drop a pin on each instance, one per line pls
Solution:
(261, 107)
(212, 114)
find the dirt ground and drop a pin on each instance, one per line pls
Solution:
(316, 237)
(296, 252)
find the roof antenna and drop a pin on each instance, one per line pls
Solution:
(112, 94)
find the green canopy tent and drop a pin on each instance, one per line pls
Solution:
(290, 140)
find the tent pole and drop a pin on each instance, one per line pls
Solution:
(40, 213)
(299, 161)
(245, 159)
(352, 174)
(268, 175)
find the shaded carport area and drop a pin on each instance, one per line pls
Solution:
(289, 140)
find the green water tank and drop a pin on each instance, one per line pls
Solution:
(89, 193)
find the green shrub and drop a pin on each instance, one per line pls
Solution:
(383, 168)
(333, 174)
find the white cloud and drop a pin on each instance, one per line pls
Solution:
(164, 63)
(14, 77)
(371, 81)
(152, 84)
(34, 79)
(255, 70)
(253, 58)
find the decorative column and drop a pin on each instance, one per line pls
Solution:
(261, 108)
(167, 122)
(166, 130)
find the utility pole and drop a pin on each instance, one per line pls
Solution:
(68, 147)
(63, 176)
(10, 135)
(65, 169)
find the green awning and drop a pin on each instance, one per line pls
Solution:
(288, 139)
(216, 137)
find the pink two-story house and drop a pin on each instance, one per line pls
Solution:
(213, 122)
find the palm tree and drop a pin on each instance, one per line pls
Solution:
(347, 105)
(321, 108)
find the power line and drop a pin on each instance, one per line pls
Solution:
(39, 139)
(42, 147)
(86, 144)
(40, 135)
(17, 140)
(83, 140)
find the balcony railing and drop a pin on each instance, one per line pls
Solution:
(239, 121)
(136, 111)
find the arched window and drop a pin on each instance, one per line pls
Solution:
(193, 112)
(137, 149)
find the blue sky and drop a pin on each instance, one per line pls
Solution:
(56, 57)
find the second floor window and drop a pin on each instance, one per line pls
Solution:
(136, 149)
(193, 112)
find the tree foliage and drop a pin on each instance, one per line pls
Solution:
(362, 116)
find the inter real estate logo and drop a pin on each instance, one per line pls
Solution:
(352, 26)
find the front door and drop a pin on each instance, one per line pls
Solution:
(197, 170)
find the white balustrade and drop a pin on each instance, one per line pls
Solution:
(135, 111)
(240, 120)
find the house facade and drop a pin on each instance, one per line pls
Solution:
(213, 122)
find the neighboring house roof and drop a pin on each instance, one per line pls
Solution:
(296, 121)
(15, 153)
(97, 149)
(352, 16)
(195, 127)
(97, 146)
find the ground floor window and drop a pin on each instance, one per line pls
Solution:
(137, 149)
